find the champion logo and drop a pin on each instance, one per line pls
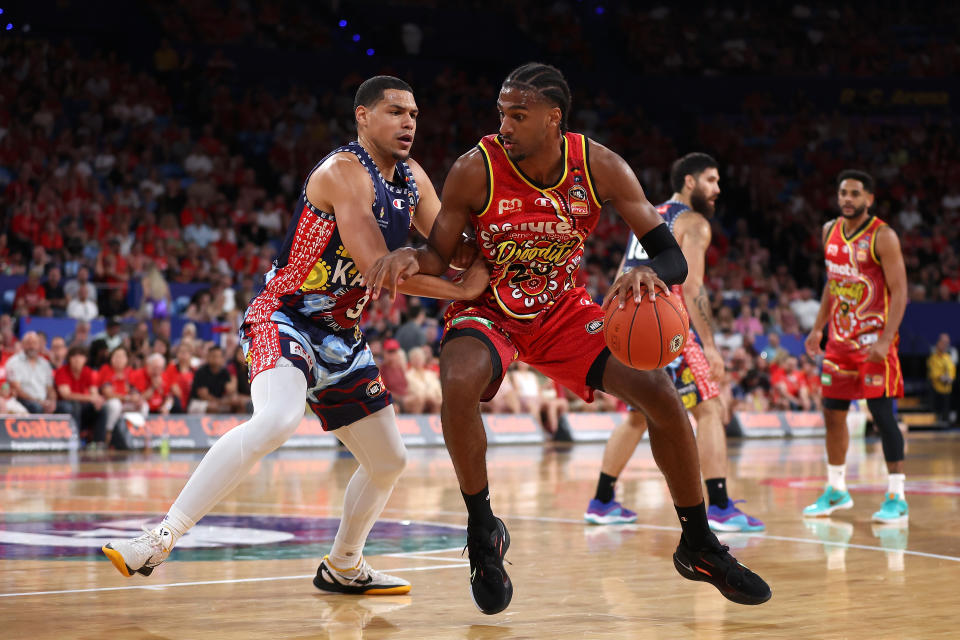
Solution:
(397, 203)
(544, 202)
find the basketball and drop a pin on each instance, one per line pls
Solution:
(648, 334)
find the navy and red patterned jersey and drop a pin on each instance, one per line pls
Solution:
(314, 284)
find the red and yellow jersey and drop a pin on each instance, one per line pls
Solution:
(858, 289)
(532, 235)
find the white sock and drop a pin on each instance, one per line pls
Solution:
(177, 522)
(376, 444)
(836, 476)
(278, 395)
(895, 482)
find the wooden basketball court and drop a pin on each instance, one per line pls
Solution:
(248, 573)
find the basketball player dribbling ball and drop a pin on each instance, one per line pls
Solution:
(696, 185)
(533, 194)
(302, 339)
(863, 303)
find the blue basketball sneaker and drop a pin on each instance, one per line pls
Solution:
(831, 500)
(894, 509)
(608, 513)
(732, 519)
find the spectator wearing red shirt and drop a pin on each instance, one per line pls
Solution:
(393, 370)
(150, 382)
(31, 297)
(179, 374)
(120, 395)
(76, 384)
(791, 386)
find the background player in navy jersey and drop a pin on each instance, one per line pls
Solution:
(533, 194)
(302, 339)
(697, 372)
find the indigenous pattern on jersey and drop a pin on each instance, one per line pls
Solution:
(532, 235)
(309, 307)
(857, 287)
(691, 371)
(861, 303)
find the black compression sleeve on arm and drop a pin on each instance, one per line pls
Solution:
(666, 258)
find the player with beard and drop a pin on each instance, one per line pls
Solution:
(698, 370)
(863, 303)
(533, 193)
(302, 339)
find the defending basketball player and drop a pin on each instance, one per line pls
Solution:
(533, 194)
(302, 340)
(696, 185)
(863, 303)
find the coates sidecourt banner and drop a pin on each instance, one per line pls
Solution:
(38, 432)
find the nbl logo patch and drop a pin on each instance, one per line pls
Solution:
(594, 326)
(577, 192)
(676, 343)
(375, 388)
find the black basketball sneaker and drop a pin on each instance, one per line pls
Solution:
(715, 565)
(490, 586)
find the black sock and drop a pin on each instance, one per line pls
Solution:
(605, 487)
(717, 492)
(696, 531)
(480, 516)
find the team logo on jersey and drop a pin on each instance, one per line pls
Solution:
(512, 205)
(676, 343)
(318, 277)
(375, 388)
(577, 192)
(594, 326)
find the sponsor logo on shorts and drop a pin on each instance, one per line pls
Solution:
(594, 326)
(488, 324)
(676, 343)
(297, 350)
(826, 379)
(874, 380)
(868, 338)
(375, 388)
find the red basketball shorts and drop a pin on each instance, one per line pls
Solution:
(567, 342)
(849, 376)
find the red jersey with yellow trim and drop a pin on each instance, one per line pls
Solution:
(855, 280)
(532, 235)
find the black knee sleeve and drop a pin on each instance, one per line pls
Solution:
(835, 404)
(886, 420)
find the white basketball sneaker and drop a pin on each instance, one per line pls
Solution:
(141, 554)
(359, 580)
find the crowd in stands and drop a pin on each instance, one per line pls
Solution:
(119, 182)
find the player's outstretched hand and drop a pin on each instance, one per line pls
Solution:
(391, 270)
(812, 343)
(474, 280)
(636, 281)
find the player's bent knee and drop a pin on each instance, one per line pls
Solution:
(270, 427)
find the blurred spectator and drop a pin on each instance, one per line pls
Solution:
(806, 308)
(790, 385)
(81, 307)
(942, 372)
(411, 334)
(81, 334)
(77, 387)
(726, 339)
(150, 383)
(82, 281)
(393, 370)
(58, 353)
(773, 353)
(9, 405)
(748, 324)
(423, 384)
(53, 289)
(213, 387)
(30, 299)
(241, 373)
(113, 378)
(527, 384)
(179, 374)
(31, 377)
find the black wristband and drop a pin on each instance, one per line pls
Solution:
(666, 258)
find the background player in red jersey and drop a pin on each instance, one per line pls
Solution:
(533, 193)
(302, 338)
(863, 302)
(698, 371)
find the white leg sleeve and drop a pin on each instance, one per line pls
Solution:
(114, 409)
(376, 444)
(278, 404)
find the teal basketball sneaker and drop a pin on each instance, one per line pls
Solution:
(831, 500)
(894, 509)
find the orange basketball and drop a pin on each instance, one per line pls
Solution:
(648, 335)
